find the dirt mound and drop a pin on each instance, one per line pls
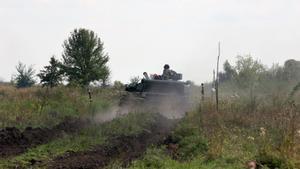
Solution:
(13, 141)
(123, 148)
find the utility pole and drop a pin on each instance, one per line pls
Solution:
(217, 77)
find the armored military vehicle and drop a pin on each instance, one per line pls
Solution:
(169, 97)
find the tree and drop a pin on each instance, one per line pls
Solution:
(229, 72)
(276, 72)
(51, 75)
(105, 78)
(84, 59)
(292, 70)
(24, 77)
(118, 85)
(248, 70)
(135, 80)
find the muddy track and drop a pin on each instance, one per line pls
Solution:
(122, 148)
(14, 142)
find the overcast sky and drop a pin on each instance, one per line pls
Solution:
(143, 35)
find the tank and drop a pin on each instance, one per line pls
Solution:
(158, 87)
(168, 97)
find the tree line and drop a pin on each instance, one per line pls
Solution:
(83, 61)
(247, 71)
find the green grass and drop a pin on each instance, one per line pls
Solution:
(130, 124)
(228, 139)
(157, 158)
(37, 107)
(206, 138)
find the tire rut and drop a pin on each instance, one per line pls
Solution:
(14, 142)
(122, 148)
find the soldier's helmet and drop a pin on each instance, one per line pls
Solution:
(166, 66)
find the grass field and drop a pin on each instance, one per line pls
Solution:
(263, 128)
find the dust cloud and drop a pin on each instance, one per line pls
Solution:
(171, 106)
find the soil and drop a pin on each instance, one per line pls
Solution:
(14, 142)
(122, 148)
(172, 147)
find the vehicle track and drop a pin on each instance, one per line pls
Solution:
(14, 142)
(122, 148)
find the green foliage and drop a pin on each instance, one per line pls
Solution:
(190, 147)
(118, 85)
(233, 132)
(51, 75)
(276, 72)
(116, 164)
(157, 159)
(154, 158)
(295, 90)
(229, 72)
(274, 160)
(131, 124)
(248, 71)
(291, 70)
(37, 108)
(24, 77)
(190, 141)
(84, 59)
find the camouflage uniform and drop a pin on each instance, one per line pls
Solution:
(168, 74)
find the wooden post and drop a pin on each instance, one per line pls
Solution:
(202, 91)
(90, 95)
(213, 87)
(217, 78)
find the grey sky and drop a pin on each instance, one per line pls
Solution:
(143, 35)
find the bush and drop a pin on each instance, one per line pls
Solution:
(190, 142)
(273, 160)
(154, 158)
(131, 124)
(190, 147)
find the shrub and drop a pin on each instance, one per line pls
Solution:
(273, 160)
(189, 140)
(154, 158)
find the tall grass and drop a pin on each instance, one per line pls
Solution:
(262, 126)
(38, 106)
(270, 117)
